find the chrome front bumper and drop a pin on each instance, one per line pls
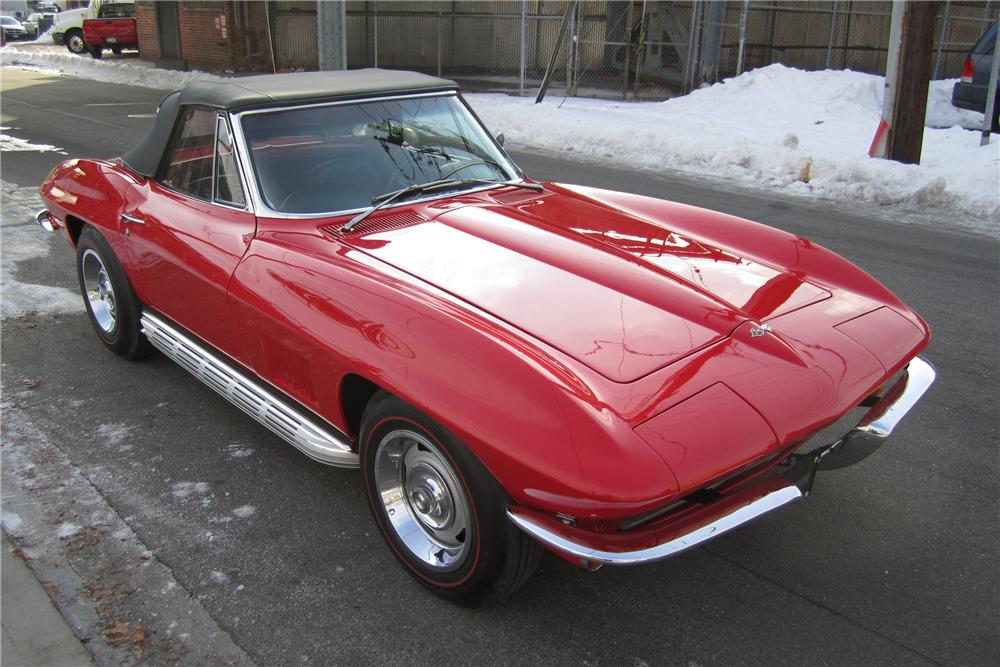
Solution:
(774, 492)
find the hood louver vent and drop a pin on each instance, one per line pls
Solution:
(518, 196)
(382, 223)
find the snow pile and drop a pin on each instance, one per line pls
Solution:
(9, 143)
(775, 128)
(45, 37)
(23, 242)
(110, 71)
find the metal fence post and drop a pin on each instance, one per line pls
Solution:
(847, 33)
(524, 42)
(940, 44)
(439, 21)
(555, 52)
(694, 49)
(628, 49)
(576, 48)
(833, 34)
(640, 51)
(569, 50)
(743, 36)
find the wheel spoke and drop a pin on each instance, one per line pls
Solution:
(99, 291)
(422, 498)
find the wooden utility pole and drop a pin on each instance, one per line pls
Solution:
(907, 79)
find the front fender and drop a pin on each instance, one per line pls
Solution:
(745, 238)
(532, 418)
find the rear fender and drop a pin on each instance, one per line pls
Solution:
(95, 192)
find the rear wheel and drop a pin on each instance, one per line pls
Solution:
(441, 512)
(73, 39)
(111, 302)
(96, 51)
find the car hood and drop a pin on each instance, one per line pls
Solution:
(623, 295)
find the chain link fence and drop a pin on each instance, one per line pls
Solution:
(626, 49)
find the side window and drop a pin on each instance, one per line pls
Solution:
(227, 173)
(189, 167)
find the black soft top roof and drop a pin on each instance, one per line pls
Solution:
(274, 90)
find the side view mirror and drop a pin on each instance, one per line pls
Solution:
(500, 138)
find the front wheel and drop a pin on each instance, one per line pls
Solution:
(441, 512)
(74, 41)
(111, 302)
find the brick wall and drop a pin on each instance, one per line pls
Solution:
(206, 29)
(145, 19)
(207, 36)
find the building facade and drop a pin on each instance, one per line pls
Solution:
(649, 49)
(214, 36)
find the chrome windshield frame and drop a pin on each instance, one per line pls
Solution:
(263, 210)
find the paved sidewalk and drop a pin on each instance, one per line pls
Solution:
(34, 632)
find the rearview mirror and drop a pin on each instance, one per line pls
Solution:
(500, 138)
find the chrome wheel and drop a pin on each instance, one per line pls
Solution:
(75, 43)
(423, 499)
(99, 292)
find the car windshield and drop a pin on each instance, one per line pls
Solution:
(6, 20)
(334, 158)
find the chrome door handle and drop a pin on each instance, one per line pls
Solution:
(132, 219)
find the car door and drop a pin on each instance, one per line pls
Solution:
(188, 232)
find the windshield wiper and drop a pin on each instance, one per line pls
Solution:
(382, 201)
(389, 197)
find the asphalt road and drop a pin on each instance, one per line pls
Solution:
(892, 561)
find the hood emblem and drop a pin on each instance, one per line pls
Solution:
(759, 330)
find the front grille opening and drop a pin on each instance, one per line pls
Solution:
(707, 494)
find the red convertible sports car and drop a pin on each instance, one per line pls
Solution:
(353, 260)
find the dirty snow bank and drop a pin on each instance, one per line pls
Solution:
(774, 128)
(110, 71)
(45, 37)
(23, 242)
(9, 143)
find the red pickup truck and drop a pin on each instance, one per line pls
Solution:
(114, 28)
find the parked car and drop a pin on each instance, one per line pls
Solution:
(35, 20)
(68, 25)
(12, 28)
(114, 28)
(971, 90)
(351, 259)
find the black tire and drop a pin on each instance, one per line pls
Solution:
(73, 39)
(497, 557)
(117, 50)
(96, 51)
(117, 323)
